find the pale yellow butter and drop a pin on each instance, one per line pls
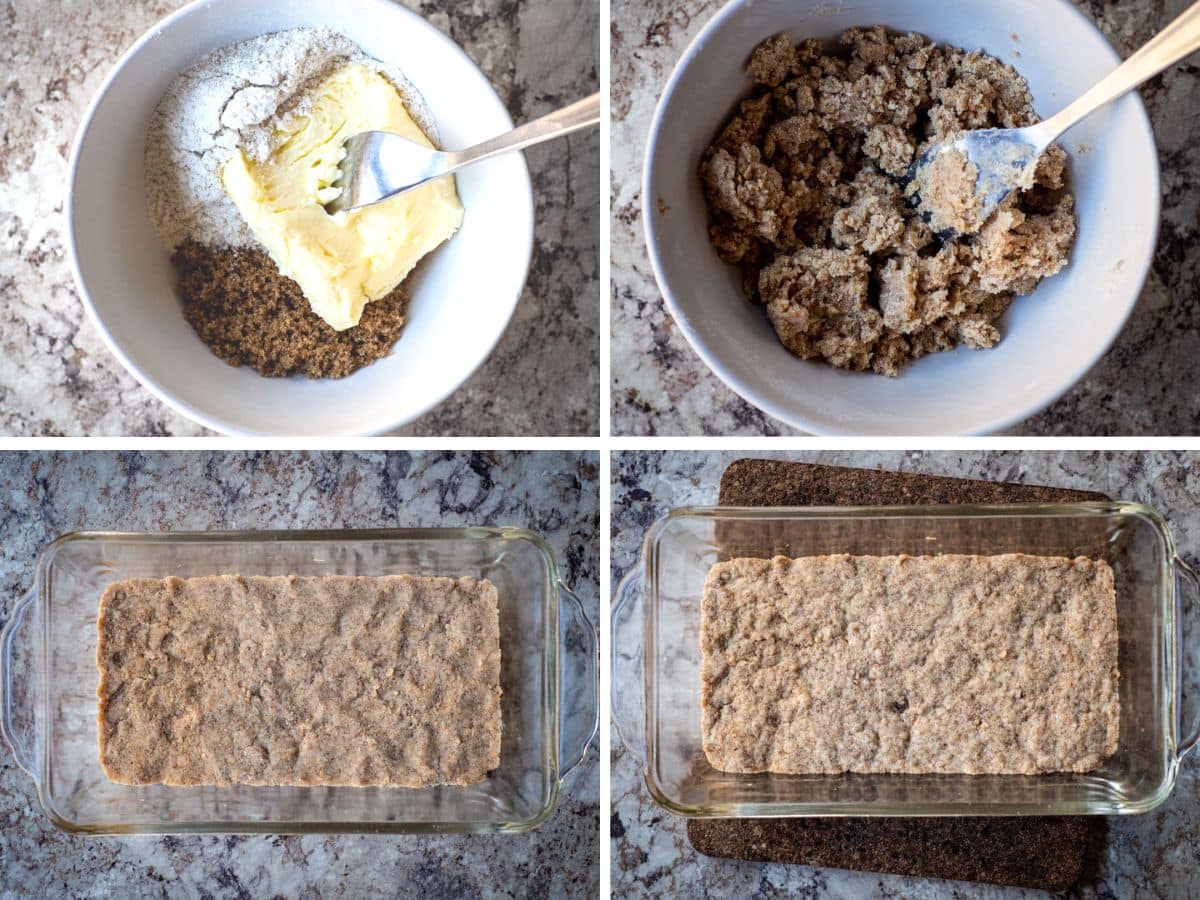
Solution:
(343, 261)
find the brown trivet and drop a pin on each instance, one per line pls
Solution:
(769, 482)
(1041, 852)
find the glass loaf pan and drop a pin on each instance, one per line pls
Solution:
(549, 675)
(656, 655)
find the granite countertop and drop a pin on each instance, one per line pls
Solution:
(1146, 384)
(1157, 854)
(58, 378)
(553, 493)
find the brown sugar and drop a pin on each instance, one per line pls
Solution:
(250, 315)
(326, 680)
(803, 193)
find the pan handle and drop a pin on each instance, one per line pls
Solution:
(1187, 593)
(579, 684)
(629, 663)
(17, 718)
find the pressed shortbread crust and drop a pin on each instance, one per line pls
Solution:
(219, 680)
(896, 664)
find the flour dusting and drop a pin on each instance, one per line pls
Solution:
(235, 97)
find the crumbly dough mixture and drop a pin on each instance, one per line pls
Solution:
(898, 664)
(803, 187)
(220, 680)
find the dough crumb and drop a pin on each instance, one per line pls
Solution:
(946, 187)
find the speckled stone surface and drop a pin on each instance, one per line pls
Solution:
(56, 375)
(1155, 855)
(44, 495)
(1146, 384)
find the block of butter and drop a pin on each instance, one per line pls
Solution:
(343, 261)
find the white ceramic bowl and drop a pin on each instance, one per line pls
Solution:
(462, 295)
(1051, 337)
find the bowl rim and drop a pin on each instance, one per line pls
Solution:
(811, 426)
(163, 393)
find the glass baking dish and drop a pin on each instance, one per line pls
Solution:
(656, 656)
(549, 676)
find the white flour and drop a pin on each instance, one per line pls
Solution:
(233, 98)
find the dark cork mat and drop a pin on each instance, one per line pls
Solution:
(1045, 852)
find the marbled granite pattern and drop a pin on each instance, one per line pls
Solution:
(44, 495)
(1154, 855)
(1146, 384)
(57, 377)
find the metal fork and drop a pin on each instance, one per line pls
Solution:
(378, 164)
(1005, 156)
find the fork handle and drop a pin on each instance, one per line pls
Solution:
(1173, 43)
(579, 114)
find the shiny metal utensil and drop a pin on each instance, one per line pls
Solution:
(379, 164)
(1005, 157)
